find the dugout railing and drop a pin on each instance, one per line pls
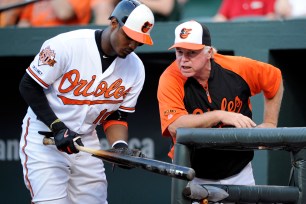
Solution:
(292, 140)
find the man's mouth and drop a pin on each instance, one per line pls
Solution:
(127, 51)
(185, 67)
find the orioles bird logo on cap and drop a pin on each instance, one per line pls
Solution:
(185, 32)
(146, 27)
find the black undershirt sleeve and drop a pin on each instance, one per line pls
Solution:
(118, 115)
(35, 97)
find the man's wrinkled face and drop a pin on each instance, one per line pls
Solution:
(192, 63)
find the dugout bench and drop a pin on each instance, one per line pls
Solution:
(292, 140)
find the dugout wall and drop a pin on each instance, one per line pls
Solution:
(282, 43)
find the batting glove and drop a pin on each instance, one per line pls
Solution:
(63, 138)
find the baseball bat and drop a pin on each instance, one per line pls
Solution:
(151, 165)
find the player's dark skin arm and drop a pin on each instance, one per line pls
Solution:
(115, 133)
(35, 97)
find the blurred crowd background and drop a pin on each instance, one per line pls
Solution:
(41, 13)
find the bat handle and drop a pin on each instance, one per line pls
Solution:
(48, 141)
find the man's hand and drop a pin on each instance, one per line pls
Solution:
(122, 148)
(64, 141)
(237, 120)
(266, 125)
(63, 137)
(128, 152)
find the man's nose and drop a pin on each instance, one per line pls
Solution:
(133, 44)
(185, 56)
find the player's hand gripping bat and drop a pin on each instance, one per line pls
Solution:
(156, 166)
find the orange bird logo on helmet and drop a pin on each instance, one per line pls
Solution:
(146, 27)
(184, 33)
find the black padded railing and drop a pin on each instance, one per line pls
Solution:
(291, 139)
(260, 193)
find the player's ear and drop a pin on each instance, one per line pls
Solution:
(209, 51)
(114, 23)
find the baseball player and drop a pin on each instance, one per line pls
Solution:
(78, 80)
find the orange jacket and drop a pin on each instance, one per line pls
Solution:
(227, 75)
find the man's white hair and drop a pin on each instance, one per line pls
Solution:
(207, 48)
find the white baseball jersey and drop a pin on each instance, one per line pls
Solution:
(69, 69)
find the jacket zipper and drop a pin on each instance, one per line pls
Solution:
(207, 92)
